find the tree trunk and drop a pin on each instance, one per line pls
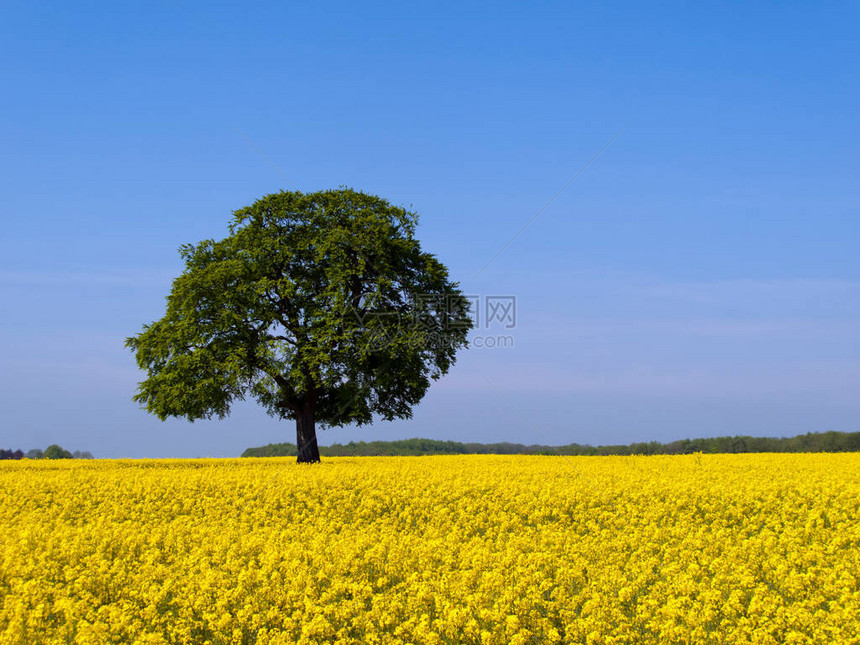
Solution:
(306, 435)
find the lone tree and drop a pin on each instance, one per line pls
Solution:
(321, 306)
(56, 452)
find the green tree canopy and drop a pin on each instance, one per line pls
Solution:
(56, 452)
(321, 306)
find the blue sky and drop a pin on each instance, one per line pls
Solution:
(700, 277)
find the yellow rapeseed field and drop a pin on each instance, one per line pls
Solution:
(472, 549)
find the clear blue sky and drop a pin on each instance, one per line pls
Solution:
(700, 277)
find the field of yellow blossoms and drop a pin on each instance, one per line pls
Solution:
(471, 549)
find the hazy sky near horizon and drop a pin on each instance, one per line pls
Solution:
(699, 277)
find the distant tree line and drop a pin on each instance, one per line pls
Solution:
(809, 442)
(51, 452)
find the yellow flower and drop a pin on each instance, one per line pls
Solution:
(466, 549)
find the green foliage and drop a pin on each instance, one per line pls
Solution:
(56, 452)
(52, 452)
(319, 303)
(362, 448)
(810, 442)
(408, 447)
(273, 450)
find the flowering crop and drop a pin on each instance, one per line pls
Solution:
(455, 549)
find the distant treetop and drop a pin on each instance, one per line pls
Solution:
(810, 442)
